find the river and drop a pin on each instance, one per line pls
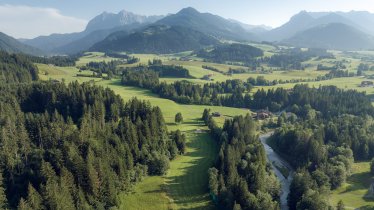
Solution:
(276, 163)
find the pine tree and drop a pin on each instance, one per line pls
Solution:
(34, 199)
(23, 205)
(178, 118)
(236, 206)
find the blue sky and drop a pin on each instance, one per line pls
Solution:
(72, 15)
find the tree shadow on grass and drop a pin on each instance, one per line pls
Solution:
(366, 207)
(191, 187)
(358, 181)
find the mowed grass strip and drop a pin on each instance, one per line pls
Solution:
(186, 181)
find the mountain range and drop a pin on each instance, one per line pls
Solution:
(305, 29)
(331, 30)
(11, 45)
(156, 39)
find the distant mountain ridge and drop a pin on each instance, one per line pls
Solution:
(96, 30)
(337, 36)
(110, 20)
(11, 45)
(156, 39)
(108, 24)
(209, 24)
(330, 30)
(304, 20)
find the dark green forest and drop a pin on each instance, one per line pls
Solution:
(16, 69)
(75, 146)
(241, 178)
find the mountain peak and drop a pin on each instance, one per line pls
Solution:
(301, 15)
(110, 20)
(125, 12)
(188, 10)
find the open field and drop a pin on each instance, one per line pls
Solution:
(93, 57)
(354, 191)
(68, 74)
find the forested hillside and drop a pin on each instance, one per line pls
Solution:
(74, 146)
(156, 39)
(16, 69)
(232, 52)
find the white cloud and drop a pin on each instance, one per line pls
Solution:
(29, 22)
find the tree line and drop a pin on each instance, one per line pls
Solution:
(16, 68)
(235, 93)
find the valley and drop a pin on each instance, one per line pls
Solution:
(179, 189)
(186, 109)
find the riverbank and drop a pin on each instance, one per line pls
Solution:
(282, 169)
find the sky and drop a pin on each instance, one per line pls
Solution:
(31, 18)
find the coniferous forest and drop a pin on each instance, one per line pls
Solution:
(76, 146)
(241, 178)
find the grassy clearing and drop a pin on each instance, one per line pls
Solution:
(353, 192)
(69, 74)
(185, 185)
(93, 57)
(343, 83)
(148, 194)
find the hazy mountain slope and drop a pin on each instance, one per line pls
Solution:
(364, 19)
(110, 20)
(255, 29)
(156, 39)
(97, 29)
(94, 37)
(207, 23)
(296, 24)
(12, 45)
(51, 42)
(333, 36)
(306, 20)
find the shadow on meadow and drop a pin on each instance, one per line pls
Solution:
(191, 186)
(358, 181)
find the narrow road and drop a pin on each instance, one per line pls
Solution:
(277, 162)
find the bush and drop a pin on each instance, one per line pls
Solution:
(158, 165)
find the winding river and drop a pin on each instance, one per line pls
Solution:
(277, 162)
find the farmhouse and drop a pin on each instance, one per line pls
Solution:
(216, 114)
(367, 84)
(262, 114)
(207, 77)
